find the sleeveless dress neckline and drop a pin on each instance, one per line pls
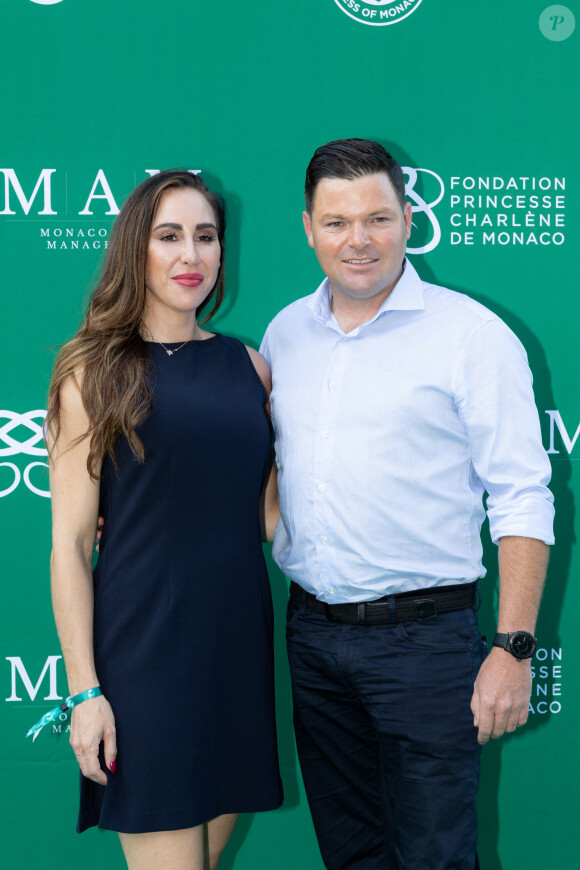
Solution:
(188, 342)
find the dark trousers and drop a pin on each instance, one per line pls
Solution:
(385, 737)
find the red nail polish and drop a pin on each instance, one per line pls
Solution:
(113, 766)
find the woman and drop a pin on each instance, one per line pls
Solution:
(160, 426)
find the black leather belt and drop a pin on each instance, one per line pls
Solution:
(418, 604)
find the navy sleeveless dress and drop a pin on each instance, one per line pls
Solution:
(183, 612)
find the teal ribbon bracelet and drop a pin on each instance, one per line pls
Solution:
(63, 708)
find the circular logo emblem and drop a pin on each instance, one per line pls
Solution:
(32, 445)
(557, 23)
(425, 189)
(378, 12)
(46, 2)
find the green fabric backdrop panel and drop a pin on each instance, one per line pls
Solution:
(478, 103)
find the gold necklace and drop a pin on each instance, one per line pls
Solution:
(166, 349)
(171, 352)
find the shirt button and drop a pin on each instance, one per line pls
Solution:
(324, 433)
(332, 385)
(321, 487)
(324, 539)
(332, 590)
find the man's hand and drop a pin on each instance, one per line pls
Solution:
(93, 723)
(501, 695)
(100, 527)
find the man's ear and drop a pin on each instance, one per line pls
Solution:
(308, 227)
(408, 212)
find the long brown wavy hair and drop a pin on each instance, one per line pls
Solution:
(108, 351)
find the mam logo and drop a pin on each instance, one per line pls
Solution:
(100, 189)
(23, 687)
(52, 194)
(378, 12)
(20, 680)
(567, 440)
(38, 684)
(425, 190)
(31, 444)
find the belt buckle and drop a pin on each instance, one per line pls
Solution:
(425, 608)
(387, 608)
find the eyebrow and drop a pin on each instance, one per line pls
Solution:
(180, 227)
(329, 215)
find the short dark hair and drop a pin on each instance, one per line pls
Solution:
(350, 159)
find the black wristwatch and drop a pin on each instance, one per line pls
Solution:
(521, 644)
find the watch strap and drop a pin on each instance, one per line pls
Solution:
(501, 640)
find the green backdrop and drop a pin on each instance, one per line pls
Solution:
(478, 103)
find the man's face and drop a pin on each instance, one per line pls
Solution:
(359, 233)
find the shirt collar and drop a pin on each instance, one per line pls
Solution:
(406, 295)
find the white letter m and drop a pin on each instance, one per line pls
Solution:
(50, 666)
(10, 178)
(556, 421)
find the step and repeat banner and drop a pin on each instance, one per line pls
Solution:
(477, 102)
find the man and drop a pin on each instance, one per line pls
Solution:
(395, 405)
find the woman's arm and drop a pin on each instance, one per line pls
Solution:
(269, 510)
(75, 502)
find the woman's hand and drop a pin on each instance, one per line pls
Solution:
(93, 723)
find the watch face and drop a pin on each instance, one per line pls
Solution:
(522, 644)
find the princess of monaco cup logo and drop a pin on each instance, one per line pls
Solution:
(378, 12)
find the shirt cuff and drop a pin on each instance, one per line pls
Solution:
(531, 519)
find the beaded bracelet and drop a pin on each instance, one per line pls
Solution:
(63, 708)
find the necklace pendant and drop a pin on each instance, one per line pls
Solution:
(169, 352)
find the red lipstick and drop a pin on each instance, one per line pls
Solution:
(189, 279)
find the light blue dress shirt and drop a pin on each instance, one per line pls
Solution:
(387, 437)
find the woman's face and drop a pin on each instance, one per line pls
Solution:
(183, 256)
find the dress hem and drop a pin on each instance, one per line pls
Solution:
(185, 823)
